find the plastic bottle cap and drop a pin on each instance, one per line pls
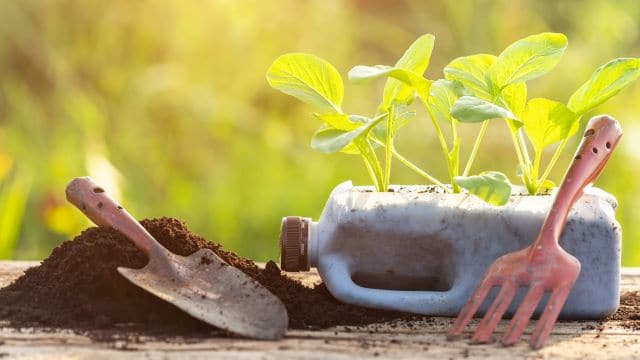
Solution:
(293, 244)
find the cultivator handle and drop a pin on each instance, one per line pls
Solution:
(98, 206)
(601, 136)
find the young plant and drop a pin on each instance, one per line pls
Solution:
(316, 82)
(475, 89)
(438, 97)
(497, 90)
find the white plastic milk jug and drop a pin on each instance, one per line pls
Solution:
(417, 250)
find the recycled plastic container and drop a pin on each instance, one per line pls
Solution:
(420, 250)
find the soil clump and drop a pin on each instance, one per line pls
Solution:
(629, 311)
(78, 287)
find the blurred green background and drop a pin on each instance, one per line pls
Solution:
(166, 104)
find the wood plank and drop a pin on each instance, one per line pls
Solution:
(397, 340)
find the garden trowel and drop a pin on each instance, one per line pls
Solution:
(201, 284)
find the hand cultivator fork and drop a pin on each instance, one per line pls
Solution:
(543, 266)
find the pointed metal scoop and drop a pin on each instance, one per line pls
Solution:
(201, 284)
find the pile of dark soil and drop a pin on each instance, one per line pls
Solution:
(78, 287)
(629, 311)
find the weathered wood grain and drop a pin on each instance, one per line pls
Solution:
(422, 339)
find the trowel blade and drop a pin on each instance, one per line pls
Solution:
(207, 288)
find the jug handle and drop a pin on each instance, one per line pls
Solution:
(339, 282)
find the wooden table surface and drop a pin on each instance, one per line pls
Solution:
(423, 339)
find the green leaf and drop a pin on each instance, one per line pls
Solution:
(492, 187)
(471, 109)
(528, 58)
(416, 82)
(351, 149)
(351, 122)
(415, 59)
(339, 121)
(330, 140)
(308, 78)
(471, 71)
(605, 82)
(361, 73)
(515, 97)
(359, 119)
(547, 121)
(443, 95)
(403, 116)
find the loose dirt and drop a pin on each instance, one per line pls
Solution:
(629, 311)
(78, 287)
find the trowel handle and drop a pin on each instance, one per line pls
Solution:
(600, 138)
(98, 206)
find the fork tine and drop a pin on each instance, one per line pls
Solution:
(522, 316)
(549, 316)
(495, 312)
(471, 307)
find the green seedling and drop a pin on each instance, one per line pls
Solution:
(316, 82)
(475, 89)
(497, 90)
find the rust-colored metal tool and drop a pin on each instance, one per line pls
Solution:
(200, 284)
(543, 266)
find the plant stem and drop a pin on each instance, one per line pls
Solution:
(521, 149)
(372, 163)
(436, 125)
(388, 147)
(419, 171)
(452, 165)
(536, 165)
(476, 146)
(372, 174)
(454, 156)
(523, 160)
(523, 146)
(414, 167)
(523, 167)
(553, 160)
(451, 157)
(532, 184)
(535, 172)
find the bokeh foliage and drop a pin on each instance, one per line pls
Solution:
(166, 104)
